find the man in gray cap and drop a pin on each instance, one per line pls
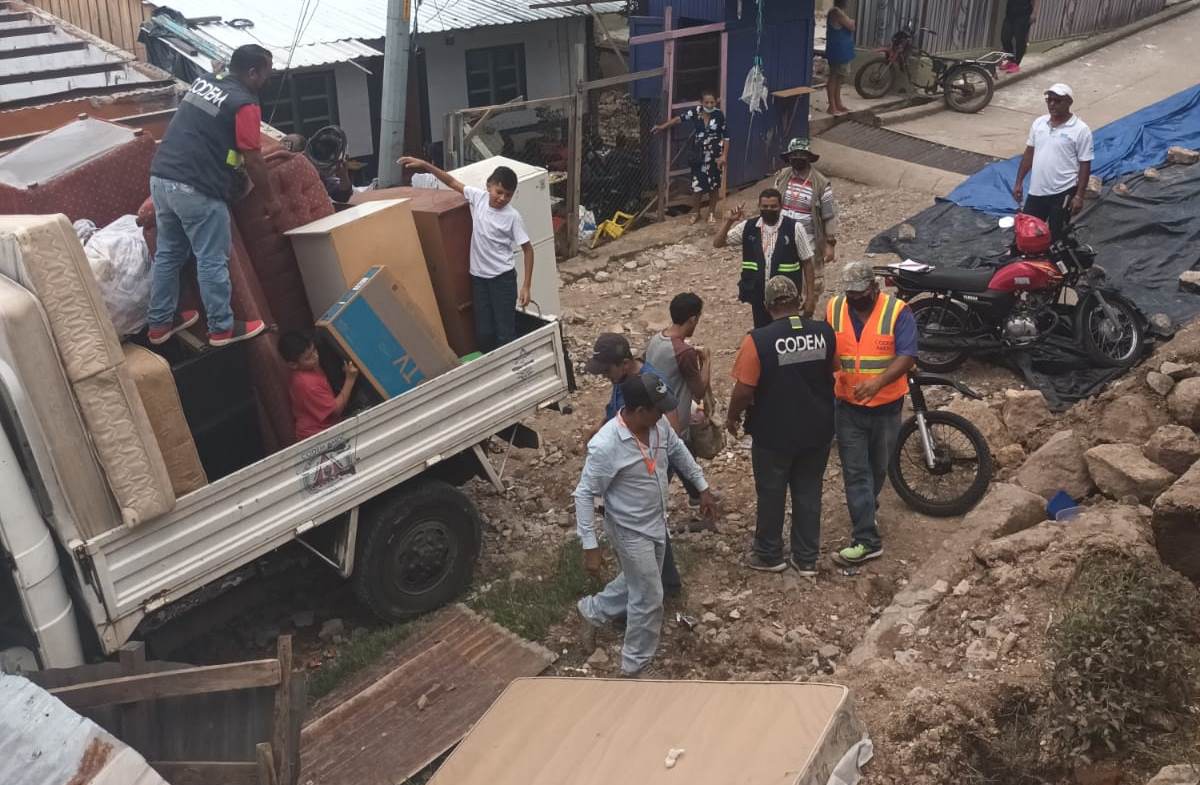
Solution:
(1059, 154)
(626, 466)
(808, 199)
(783, 377)
(876, 348)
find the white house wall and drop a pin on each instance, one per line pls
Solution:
(549, 65)
(354, 108)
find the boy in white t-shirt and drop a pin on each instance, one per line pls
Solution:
(496, 228)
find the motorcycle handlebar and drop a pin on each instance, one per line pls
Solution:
(936, 380)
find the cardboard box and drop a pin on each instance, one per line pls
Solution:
(378, 327)
(443, 221)
(335, 252)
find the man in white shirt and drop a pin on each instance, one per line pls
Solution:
(1059, 153)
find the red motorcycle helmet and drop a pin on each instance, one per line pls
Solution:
(1033, 234)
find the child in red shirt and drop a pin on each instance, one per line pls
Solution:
(314, 406)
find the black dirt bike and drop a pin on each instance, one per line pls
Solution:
(941, 464)
(965, 85)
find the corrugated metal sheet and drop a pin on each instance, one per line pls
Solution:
(334, 30)
(1066, 18)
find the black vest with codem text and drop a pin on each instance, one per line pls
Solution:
(793, 401)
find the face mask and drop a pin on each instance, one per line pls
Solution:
(770, 217)
(861, 302)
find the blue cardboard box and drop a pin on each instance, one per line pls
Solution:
(379, 328)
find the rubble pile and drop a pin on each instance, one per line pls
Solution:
(619, 118)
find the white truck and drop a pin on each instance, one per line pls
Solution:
(374, 496)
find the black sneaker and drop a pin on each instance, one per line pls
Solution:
(806, 569)
(756, 562)
(856, 554)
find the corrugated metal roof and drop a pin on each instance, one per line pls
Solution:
(335, 29)
(44, 58)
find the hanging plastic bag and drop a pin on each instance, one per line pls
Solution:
(120, 262)
(754, 93)
(587, 224)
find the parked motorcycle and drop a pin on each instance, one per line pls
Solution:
(1048, 287)
(965, 85)
(941, 464)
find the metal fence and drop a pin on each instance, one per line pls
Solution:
(963, 25)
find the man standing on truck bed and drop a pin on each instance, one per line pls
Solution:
(626, 465)
(214, 132)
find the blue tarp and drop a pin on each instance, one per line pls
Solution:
(1130, 144)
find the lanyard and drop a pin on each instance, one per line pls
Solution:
(647, 457)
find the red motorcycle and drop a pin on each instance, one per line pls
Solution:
(1047, 288)
(965, 85)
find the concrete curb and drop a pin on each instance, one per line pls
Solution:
(887, 118)
(880, 170)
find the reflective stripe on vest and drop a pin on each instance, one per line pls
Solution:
(789, 268)
(868, 356)
(749, 265)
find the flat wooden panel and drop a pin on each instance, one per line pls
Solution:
(459, 661)
(192, 681)
(207, 772)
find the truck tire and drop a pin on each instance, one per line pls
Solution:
(417, 549)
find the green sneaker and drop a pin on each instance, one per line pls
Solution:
(856, 554)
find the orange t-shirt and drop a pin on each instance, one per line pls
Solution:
(746, 367)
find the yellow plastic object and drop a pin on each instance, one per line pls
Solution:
(614, 227)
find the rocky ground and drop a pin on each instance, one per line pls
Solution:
(936, 636)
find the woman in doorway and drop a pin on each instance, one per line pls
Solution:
(839, 53)
(708, 151)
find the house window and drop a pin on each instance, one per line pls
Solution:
(301, 103)
(495, 75)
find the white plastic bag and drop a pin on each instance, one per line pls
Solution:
(120, 262)
(754, 93)
(587, 225)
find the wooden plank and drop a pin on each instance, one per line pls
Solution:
(299, 701)
(575, 137)
(664, 178)
(562, 4)
(63, 73)
(266, 767)
(514, 105)
(612, 81)
(16, 32)
(793, 91)
(136, 718)
(189, 681)
(191, 772)
(671, 35)
(45, 49)
(281, 727)
(712, 210)
(607, 36)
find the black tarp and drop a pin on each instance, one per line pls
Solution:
(1145, 232)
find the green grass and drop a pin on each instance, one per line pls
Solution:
(355, 655)
(529, 607)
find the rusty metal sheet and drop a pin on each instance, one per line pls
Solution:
(449, 673)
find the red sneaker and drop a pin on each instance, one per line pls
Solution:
(183, 320)
(240, 332)
(1014, 68)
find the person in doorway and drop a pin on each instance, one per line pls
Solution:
(808, 198)
(496, 229)
(214, 132)
(771, 245)
(612, 357)
(839, 53)
(709, 151)
(626, 465)
(686, 370)
(1059, 154)
(1014, 32)
(327, 153)
(783, 376)
(314, 406)
(876, 348)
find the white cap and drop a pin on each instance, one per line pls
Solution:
(1061, 89)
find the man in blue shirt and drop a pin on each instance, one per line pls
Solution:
(612, 357)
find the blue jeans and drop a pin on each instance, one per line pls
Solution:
(865, 441)
(495, 303)
(189, 222)
(636, 593)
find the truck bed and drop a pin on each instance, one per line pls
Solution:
(233, 521)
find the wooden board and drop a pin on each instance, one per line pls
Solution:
(557, 731)
(793, 91)
(459, 662)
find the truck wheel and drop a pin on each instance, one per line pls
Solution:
(417, 551)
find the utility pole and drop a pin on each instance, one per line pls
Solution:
(395, 92)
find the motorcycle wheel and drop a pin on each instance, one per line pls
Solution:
(962, 471)
(1114, 345)
(967, 88)
(945, 318)
(875, 79)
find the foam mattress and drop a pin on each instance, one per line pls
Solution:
(48, 412)
(43, 254)
(155, 384)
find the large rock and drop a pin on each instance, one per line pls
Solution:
(1173, 447)
(1179, 774)
(1024, 412)
(1184, 403)
(1130, 419)
(1160, 383)
(1182, 155)
(1121, 470)
(982, 417)
(1177, 524)
(1057, 465)
(1114, 528)
(1189, 280)
(1006, 509)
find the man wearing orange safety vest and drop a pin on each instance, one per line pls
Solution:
(876, 348)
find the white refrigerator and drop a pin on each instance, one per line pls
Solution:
(532, 201)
